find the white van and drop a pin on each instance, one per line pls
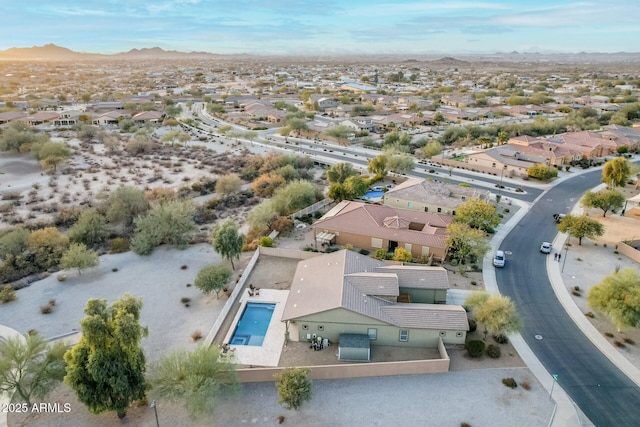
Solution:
(498, 259)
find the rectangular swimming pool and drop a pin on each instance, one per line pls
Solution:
(253, 324)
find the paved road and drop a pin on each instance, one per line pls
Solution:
(601, 390)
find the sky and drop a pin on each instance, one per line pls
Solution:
(317, 27)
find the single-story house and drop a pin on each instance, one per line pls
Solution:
(148, 117)
(431, 196)
(345, 292)
(373, 227)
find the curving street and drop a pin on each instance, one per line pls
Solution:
(599, 388)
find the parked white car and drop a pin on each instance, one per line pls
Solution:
(498, 259)
(545, 248)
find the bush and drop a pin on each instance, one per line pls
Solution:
(196, 335)
(266, 241)
(7, 294)
(46, 309)
(629, 341)
(475, 348)
(473, 325)
(119, 245)
(525, 385)
(381, 254)
(493, 351)
(501, 339)
(509, 382)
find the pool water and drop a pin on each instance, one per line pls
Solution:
(253, 324)
(373, 194)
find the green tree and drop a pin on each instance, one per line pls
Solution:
(13, 241)
(403, 255)
(124, 205)
(80, 257)
(497, 313)
(212, 278)
(106, 368)
(616, 172)
(618, 297)
(195, 378)
(432, 149)
(464, 242)
(294, 387)
(294, 196)
(355, 186)
(167, 223)
(51, 154)
(20, 137)
(400, 162)
(228, 184)
(266, 184)
(90, 229)
(227, 241)
(606, 200)
(175, 136)
(479, 214)
(47, 245)
(340, 172)
(30, 367)
(581, 226)
(339, 131)
(378, 165)
(261, 216)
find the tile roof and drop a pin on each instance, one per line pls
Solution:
(441, 193)
(346, 279)
(426, 229)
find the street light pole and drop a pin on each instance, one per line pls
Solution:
(566, 251)
(155, 410)
(555, 380)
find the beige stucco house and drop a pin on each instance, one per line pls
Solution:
(348, 293)
(431, 196)
(374, 227)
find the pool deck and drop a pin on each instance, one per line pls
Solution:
(268, 354)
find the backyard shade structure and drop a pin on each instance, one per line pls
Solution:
(354, 348)
(325, 237)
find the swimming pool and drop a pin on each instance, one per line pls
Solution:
(373, 194)
(253, 324)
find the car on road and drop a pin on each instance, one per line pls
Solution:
(558, 217)
(545, 248)
(498, 259)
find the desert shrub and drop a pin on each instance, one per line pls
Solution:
(381, 254)
(590, 314)
(48, 245)
(52, 302)
(509, 382)
(282, 224)
(525, 385)
(618, 344)
(473, 325)
(475, 348)
(493, 351)
(185, 300)
(67, 216)
(46, 309)
(474, 283)
(463, 424)
(629, 341)
(7, 294)
(119, 245)
(501, 339)
(608, 334)
(266, 241)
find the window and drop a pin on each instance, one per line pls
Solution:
(376, 243)
(443, 334)
(409, 204)
(459, 334)
(373, 333)
(305, 327)
(321, 327)
(463, 198)
(439, 210)
(404, 335)
(426, 208)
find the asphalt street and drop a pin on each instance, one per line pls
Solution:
(599, 388)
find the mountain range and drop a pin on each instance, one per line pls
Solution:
(52, 52)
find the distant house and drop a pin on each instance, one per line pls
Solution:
(345, 293)
(68, 118)
(109, 118)
(39, 118)
(149, 117)
(9, 116)
(374, 227)
(431, 196)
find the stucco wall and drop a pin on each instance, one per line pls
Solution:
(335, 322)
